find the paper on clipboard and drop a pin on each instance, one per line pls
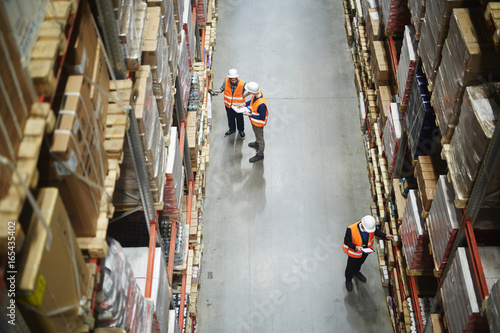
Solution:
(367, 250)
(240, 110)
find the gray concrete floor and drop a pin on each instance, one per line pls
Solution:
(273, 230)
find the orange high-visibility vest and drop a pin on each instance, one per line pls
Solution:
(231, 98)
(358, 241)
(254, 106)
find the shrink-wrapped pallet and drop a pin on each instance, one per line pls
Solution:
(406, 65)
(413, 235)
(184, 74)
(459, 297)
(420, 120)
(417, 11)
(396, 15)
(392, 133)
(434, 31)
(468, 58)
(491, 306)
(443, 222)
(478, 117)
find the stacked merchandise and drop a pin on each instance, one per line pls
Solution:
(170, 32)
(194, 94)
(146, 112)
(490, 261)
(491, 306)
(396, 15)
(459, 297)
(434, 32)
(420, 120)
(392, 133)
(478, 117)
(119, 301)
(131, 22)
(443, 222)
(154, 54)
(160, 286)
(417, 10)
(189, 31)
(177, 302)
(406, 65)
(201, 12)
(53, 278)
(184, 72)
(174, 184)
(413, 235)
(372, 19)
(468, 58)
(17, 98)
(78, 156)
(181, 246)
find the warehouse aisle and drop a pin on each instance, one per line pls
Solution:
(273, 231)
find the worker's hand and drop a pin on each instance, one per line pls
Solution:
(359, 248)
(247, 114)
(213, 93)
(389, 237)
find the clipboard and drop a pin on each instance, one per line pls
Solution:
(240, 110)
(367, 250)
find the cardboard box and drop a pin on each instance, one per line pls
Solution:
(99, 90)
(80, 57)
(53, 274)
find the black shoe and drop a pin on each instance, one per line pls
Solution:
(256, 158)
(242, 135)
(360, 277)
(253, 145)
(228, 133)
(348, 285)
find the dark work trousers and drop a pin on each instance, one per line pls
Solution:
(354, 266)
(234, 118)
(259, 138)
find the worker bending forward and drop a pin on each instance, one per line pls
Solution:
(258, 117)
(358, 243)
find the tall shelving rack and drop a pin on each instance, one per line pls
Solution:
(355, 30)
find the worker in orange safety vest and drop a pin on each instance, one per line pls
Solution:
(258, 117)
(358, 243)
(234, 94)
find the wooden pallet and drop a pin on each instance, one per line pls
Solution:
(41, 121)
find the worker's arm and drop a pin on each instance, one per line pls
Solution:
(348, 239)
(382, 235)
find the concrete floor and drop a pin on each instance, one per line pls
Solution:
(273, 230)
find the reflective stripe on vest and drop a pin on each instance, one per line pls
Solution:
(254, 106)
(358, 241)
(231, 98)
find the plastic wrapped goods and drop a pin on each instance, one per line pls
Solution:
(478, 117)
(492, 307)
(417, 10)
(468, 58)
(413, 235)
(459, 297)
(392, 133)
(443, 222)
(396, 15)
(434, 31)
(407, 64)
(423, 135)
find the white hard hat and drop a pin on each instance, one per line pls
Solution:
(253, 87)
(233, 73)
(368, 223)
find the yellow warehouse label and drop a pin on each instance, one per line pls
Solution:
(35, 299)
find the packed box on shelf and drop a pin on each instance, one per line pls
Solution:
(480, 112)
(414, 237)
(406, 65)
(79, 163)
(393, 131)
(184, 75)
(468, 58)
(424, 137)
(172, 197)
(119, 301)
(427, 170)
(160, 289)
(131, 17)
(491, 307)
(463, 312)
(443, 223)
(53, 276)
(434, 32)
(396, 15)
